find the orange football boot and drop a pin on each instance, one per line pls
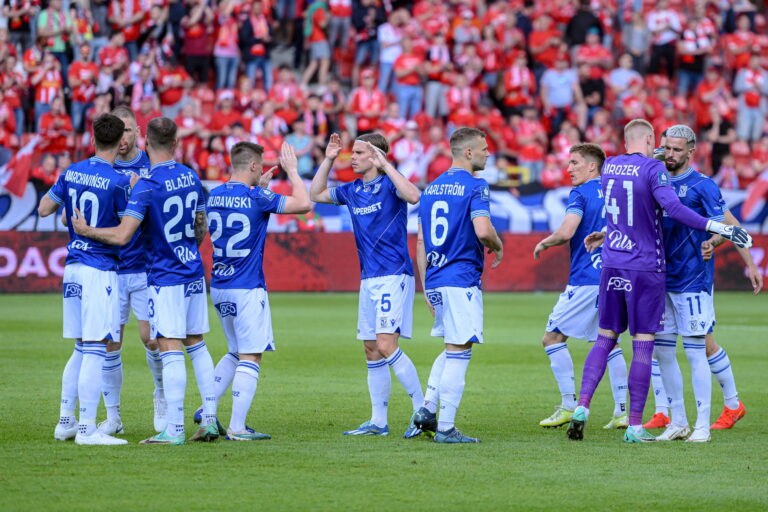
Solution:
(729, 417)
(659, 420)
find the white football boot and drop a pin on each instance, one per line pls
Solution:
(65, 431)
(673, 432)
(700, 435)
(98, 438)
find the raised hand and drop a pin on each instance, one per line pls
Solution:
(266, 177)
(378, 157)
(334, 147)
(288, 160)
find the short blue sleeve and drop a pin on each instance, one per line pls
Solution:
(269, 201)
(141, 197)
(712, 200)
(340, 194)
(480, 205)
(201, 197)
(122, 194)
(576, 203)
(58, 191)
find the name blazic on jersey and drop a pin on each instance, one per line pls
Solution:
(186, 180)
(229, 202)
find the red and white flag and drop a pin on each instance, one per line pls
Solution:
(15, 174)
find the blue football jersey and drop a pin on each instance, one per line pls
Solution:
(586, 200)
(237, 219)
(134, 253)
(686, 269)
(167, 203)
(446, 210)
(379, 218)
(101, 194)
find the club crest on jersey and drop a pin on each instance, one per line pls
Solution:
(619, 284)
(223, 270)
(193, 288)
(693, 325)
(683, 191)
(376, 188)
(144, 172)
(435, 298)
(184, 254)
(226, 309)
(485, 194)
(383, 322)
(72, 290)
(80, 245)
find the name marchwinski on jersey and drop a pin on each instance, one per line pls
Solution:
(89, 180)
(229, 202)
(444, 189)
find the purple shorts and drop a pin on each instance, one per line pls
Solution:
(631, 298)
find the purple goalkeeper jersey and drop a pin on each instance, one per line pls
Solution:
(637, 190)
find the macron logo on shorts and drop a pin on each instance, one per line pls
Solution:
(619, 284)
(227, 309)
(193, 288)
(72, 290)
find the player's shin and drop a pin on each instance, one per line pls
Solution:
(175, 383)
(452, 387)
(666, 354)
(89, 385)
(617, 372)
(562, 367)
(111, 384)
(432, 396)
(203, 366)
(594, 368)
(69, 381)
(701, 378)
(406, 373)
(659, 392)
(244, 384)
(224, 373)
(720, 366)
(639, 380)
(155, 365)
(379, 386)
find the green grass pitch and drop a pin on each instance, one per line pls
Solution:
(314, 387)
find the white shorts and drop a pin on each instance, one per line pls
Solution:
(133, 295)
(688, 314)
(458, 314)
(178, 311)
(385, 306)
(245, 319)
(575, 314)
(91, 303)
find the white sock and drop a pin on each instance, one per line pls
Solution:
(665, 350)
(203, 366)
(89, 385)
(406, 373)
(243, 389)
(224, 373)
(111, 383)
(69, 379)
(379, 385)
(562, 367)
(701, 378)
(617, 371)
(720, 366)
(452, 387)
(155, 364)
(432, 396)
(659, 393)
(174, 384)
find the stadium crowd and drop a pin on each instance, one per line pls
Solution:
(538, 77)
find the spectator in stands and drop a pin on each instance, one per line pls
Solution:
(144, 86)
(740, 44)
(593, 92)
(173, 82)
(315, 120)
(595, 55)
(334, 102)
(13, 85)
(8, 139)
(48, 84)
(148, 110)
(303, 145)
(367, 103)
(126, 16)
(437, 153)
(226, 50)
(56, 24)
(409, 69)
(340, 23)
(214, 160)
(560, 92)
(56, 130)
(408, 153)
(83, 74)
(637, 39)
(315, 32)
(726, 176)
(438, 66)
(581, 24)
(20, 14)
(545, 44)
(693, 48)
(287, 95)
(712, 90)
(751, 86)
(113, 57)
(225, 115)
(389, 37)
(197, 26)
(517, 87)
(366, 18)
(465, 32)
(720, 134)
(665, 26)
(531, 141)
(256, 40)
(393, 124)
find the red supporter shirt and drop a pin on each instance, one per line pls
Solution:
(543, 37)
(592, 54)
(111, 56)
(740, 59)
(142, 120)
(8, 125)
(123, 10)
(520, 86)
(409, 61)
(49, 87)
(318, 32)
(362, 101)
(87, 73)
(340, 8)
(55, 128)
(13, 93)
(531, 151)
(221, 119)
(173, 94)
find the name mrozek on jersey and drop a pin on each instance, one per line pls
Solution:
(445, 189)
(89, 180)
(621, 170)
(229, 202)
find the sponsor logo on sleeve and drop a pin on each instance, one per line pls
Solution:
(226, 309)
(663, 178)
(485, 194)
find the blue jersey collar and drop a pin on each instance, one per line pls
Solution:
(95, 158)
(162, 164)
(452, 169)
(126, 163)
(374, 180)
(237, 183)
(687, 173)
